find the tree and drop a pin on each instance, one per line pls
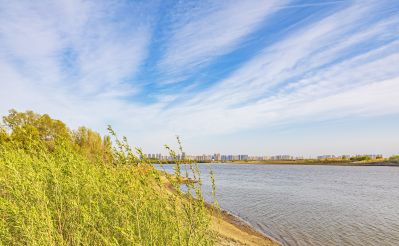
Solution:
(25, 135)
(3, 135)
(17, 119)
(360, 158)
(29, 127)
(32, 126)
(91, 144)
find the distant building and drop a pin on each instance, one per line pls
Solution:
(282, 157)
(216, 157)
(323, 157)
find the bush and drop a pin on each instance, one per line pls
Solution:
(360, 158)
(55, 192)
(394, 158)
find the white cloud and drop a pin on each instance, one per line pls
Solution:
(212, 29)
(72, 59)
(292, 56)
(38, 38)
(286, 77)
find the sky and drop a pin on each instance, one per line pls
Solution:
(254, 77)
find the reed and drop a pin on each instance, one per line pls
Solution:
(64, 196)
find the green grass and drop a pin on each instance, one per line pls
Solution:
(65, 197)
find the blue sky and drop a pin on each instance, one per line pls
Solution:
(256, 77)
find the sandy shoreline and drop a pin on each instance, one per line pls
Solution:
(232, 230)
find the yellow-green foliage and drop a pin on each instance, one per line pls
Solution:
(65, 188)
(3, 135)
(394, 158)
(92, 145)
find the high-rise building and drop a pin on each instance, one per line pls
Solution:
(216, 157)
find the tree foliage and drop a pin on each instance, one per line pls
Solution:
(27, 127)
(3, 135)
(360, 158)
(92, 145)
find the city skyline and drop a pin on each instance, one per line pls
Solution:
(245, 157)
(295, 76)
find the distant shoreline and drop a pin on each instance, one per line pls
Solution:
(314, 163)
(301, 162)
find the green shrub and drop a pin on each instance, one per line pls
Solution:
(67, 195)
(394, 158)
(360, 158)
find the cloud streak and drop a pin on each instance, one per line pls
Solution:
(80, 61)
(214, 29)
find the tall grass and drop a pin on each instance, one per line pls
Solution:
(64, 197)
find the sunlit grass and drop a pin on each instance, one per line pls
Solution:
(63, 196)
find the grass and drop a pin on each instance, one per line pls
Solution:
(64, 197)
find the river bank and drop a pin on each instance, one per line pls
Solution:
(315, 163)
(233, 231)
(387, 163)
(230, 230)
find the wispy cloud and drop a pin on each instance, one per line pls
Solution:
(313, 63)
(209, 30)
(73, 43)
(79, 60)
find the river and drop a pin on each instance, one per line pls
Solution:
(312, 205)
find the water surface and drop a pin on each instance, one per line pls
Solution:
(312, 205)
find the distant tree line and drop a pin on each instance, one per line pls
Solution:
(27, 128)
